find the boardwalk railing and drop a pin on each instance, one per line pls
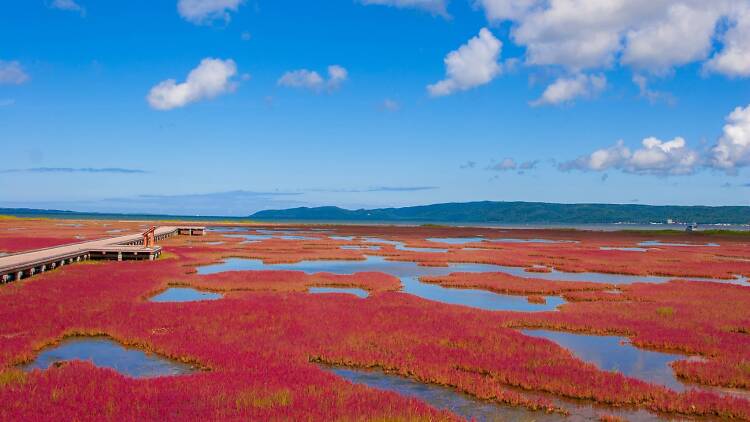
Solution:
(25, 264)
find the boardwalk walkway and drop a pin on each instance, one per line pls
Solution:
(25, 264)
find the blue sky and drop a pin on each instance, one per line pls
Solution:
(340, 103)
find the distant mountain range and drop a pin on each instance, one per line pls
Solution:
(520, 213)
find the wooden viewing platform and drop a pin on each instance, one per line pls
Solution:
(26, 264)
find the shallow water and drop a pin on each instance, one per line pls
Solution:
(107, 353)
(409, 273)
(613, 353)
(403, 269)
(227, 229)
(184, 294)
(470, 407)
(515, 240)
(625, 249)
(659, 243)
(348, 290)
(401, 246)
(456, 240)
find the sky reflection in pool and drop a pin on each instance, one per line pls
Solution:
(624, 249)
(514, 240)
(401, 246)
(480, 410)
(348, 290)
(660, 243)
(455, 240)
(410, 269)
(107, 353)
(612, 353)
(409, 273)
(184, 294)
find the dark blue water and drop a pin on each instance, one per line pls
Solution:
(106, 353)
(348, 290)
(184, 294)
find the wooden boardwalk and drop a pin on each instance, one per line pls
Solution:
(25, 264)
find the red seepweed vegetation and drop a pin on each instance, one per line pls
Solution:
(262, 341)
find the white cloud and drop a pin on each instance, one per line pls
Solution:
(473, 64)
(683, 36)
(70, 5)
(655, 157)
(733, 148)
(651, 95)
(336, 76)
(211, 78)
(310, 79)
(246, 36)
(201, 12)
(734, 59)
(12, 73)
(504, 165)
(652, 35)
(507, 9)
(437, 7)
(390, 105)
(566, 89)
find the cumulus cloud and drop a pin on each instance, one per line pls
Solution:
(734, 59)
(682, 36)
(12, 73)
(473, 64)
(202, 12)
(648, 35)
(69, 5)
(309, 79)
(733, 148)
(655, 157)
(211, 78)
(566, 89)
(437, 7)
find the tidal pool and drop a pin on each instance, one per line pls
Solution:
(456, 240)
(515, 240)
(219, 229)
(403, 269)
(184, 294)
(624, 249)
(348, 290)
(481, 410)
(660, 243)
(613, 353)
(106, 353)
(401, 246)
(409, 273)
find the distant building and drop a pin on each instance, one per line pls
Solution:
(691, 227)
(670, 221)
